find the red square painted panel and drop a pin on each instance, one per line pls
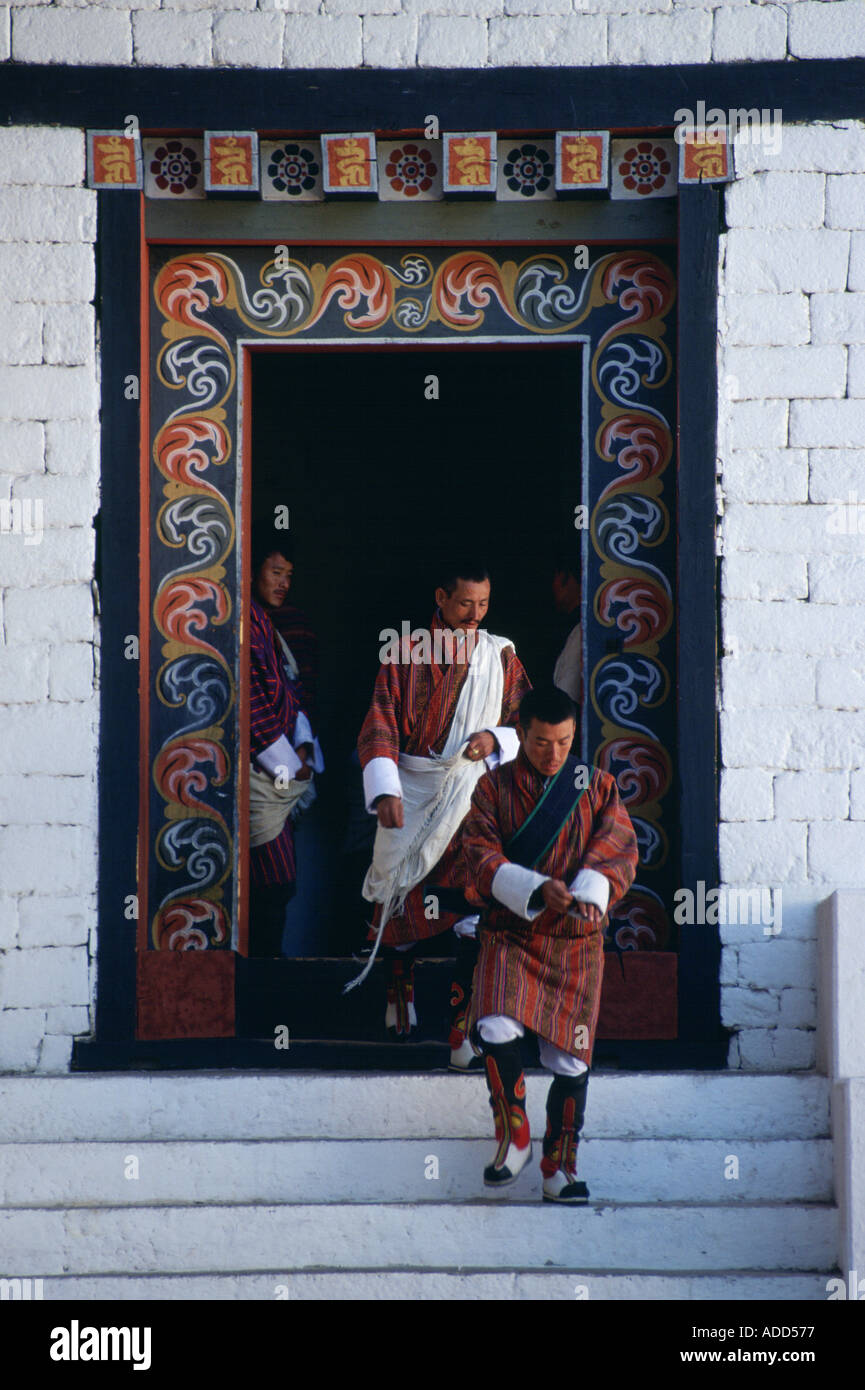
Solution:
(186, 994)
(639, 995)
(231, 161)
(114, 159)
(582, 160)
(470, 162)
(704, 157)
(349, 163)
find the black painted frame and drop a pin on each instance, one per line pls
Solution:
(505, 99)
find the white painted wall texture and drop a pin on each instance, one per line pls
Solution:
(429, 33)
(791, 432)
(791, 442)
(49, 457)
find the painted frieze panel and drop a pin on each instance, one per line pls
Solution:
(618, 305)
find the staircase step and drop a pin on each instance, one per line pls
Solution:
(133, 1107)
(483, 1236)
(442, 1285)
(403, 1170)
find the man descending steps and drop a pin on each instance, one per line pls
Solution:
(549, 847)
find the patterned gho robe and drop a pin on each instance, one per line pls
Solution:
(411, 712)
(274, 703)
(293, 625)
(547, 972)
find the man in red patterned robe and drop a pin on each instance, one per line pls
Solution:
(549, 848)
(282, 746)
(420, 722)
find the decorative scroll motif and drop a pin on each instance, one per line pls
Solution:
(205, 300)
(633, 561)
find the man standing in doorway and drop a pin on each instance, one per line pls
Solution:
(437, 716)
(549, 848)
(283, 749)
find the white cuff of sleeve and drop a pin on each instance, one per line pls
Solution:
(280, 757)
(380, 778)
(508, 746)
(302, 730)
(303, 734)
(317, 758)
(591, 887)
(513, 886)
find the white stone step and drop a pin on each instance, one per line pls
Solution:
(441, 1286)
(401, 1170)
(481, 1236)
(130, 1107)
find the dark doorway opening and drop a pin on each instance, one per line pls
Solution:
(388, 463)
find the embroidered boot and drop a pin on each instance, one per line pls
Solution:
(507, 1087)
(465, 1055)
(566, 1106)
(400, 1016)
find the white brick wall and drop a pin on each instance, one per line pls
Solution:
(791, 432)
(451, 33)
(49, 455)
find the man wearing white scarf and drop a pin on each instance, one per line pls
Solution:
(443, 710)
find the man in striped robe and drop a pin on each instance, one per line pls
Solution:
(416, 701)
(281, 743)
(549, 848)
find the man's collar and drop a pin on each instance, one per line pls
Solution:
(528, 769)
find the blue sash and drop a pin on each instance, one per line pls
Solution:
(544, 823)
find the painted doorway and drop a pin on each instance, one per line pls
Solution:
(388, 463)
(212, 312)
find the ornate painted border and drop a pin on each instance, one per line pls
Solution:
(208, 302)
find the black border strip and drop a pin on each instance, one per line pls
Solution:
(697, 716)
(117, 301)
(534, 98)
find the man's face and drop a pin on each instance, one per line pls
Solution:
(465, 609)
(273, 581)
(547, 745)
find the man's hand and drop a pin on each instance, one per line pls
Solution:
(557, 895)
(479, 746)
(304, 752)
(390, 812)
(588, 911)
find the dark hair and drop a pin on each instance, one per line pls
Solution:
(547, 703)
(267, 540)
(469, 570)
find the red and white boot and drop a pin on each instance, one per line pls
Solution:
(507, 1087)
(465, 1054)
(566, 1106)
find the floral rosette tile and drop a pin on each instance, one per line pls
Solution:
(291, 171)
(411, 170)
(173, 169)
(526, 171)
(644, 169)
